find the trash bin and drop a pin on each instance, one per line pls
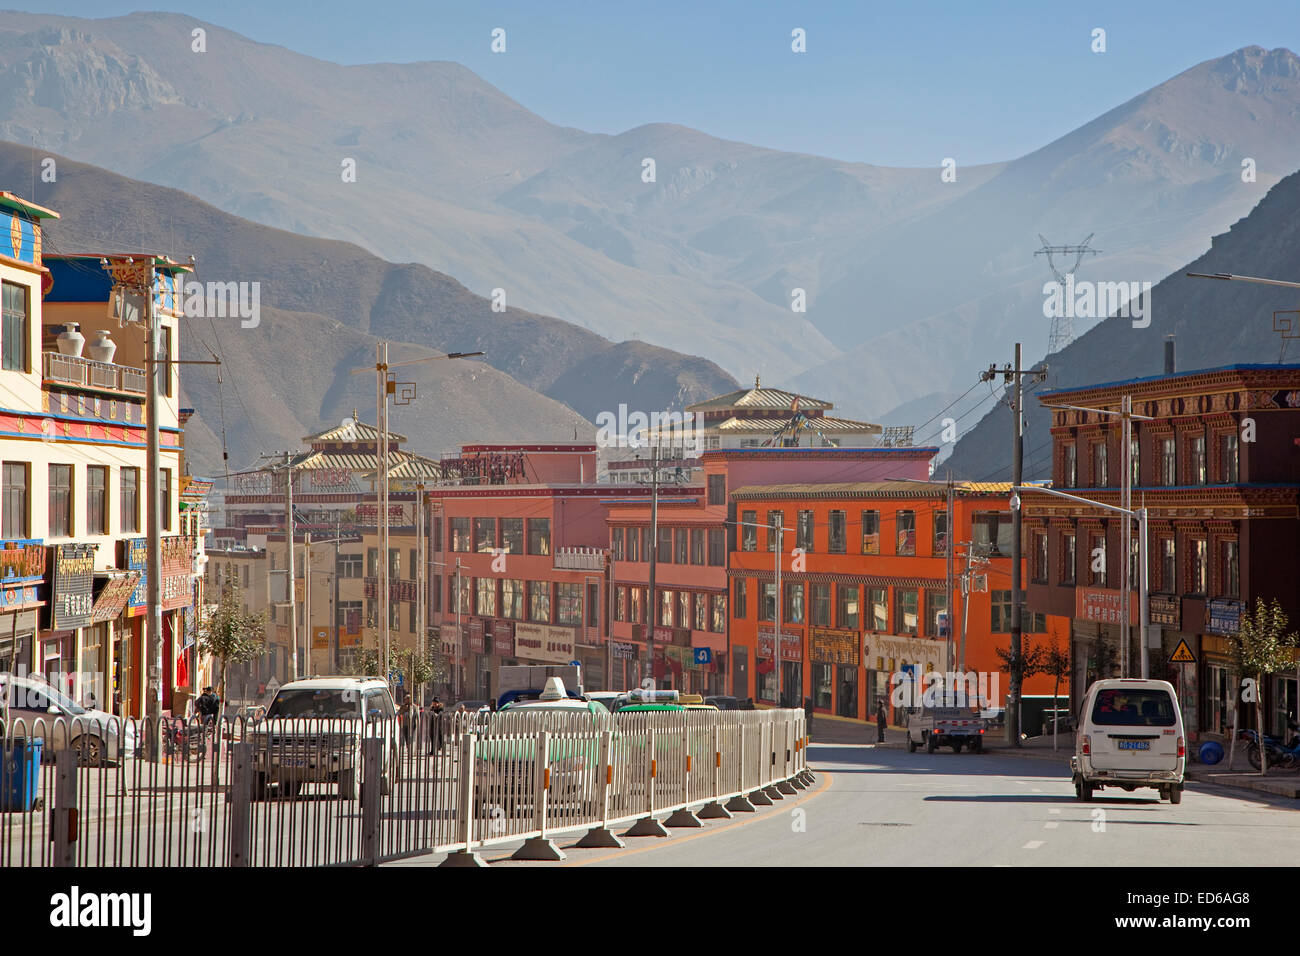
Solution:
(19, 773)
(1211, 752)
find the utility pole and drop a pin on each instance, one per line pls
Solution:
(153, 528)
(1126, 531)
(652, 611)
(1013, 375)
(776, 643)
(381, 401)
(421, 573)
(335, 626)
(948, 605)
(306, 600)
(289, 574)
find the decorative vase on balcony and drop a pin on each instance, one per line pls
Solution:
(102, 348)
(71, 341)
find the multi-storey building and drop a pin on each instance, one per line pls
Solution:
(72, 444)
(865, 590)
(1215, 459)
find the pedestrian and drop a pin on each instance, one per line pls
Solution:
(207, 707)
(435, 726)
(407, 716)
(882, 719)
(749, 704)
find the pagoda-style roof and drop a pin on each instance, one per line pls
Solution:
(357, 432)
(764, 425)
(760, 398)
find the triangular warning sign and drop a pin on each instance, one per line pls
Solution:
(1182, 654)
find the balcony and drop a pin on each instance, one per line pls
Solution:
(579, 559)
(70, 370)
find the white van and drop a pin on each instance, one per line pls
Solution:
(1130, 735)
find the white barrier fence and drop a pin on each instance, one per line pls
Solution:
(336, 791)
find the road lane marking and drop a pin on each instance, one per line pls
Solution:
(1054, 810)
(1032, 845)
(1051, 825)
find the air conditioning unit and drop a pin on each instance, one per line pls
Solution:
(979, 583)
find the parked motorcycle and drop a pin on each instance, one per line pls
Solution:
(1283, 756)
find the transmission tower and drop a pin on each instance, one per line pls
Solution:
(1062, 333)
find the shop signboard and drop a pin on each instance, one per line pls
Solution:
(1166, 611)
(791, 644)
(1104, 605)
(620, 651)
(72, 599)
(476, 635)
(113, 596)
(503, 638)
(1223, 617)
(834, 646)
(544, 643)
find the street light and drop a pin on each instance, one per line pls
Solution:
(387, 385)
(1144, 598)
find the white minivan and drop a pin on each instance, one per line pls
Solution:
(1130, 735)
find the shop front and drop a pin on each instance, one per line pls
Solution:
(898, 659)
(625, 666)
(835, 661)
(1219, 682)
(22, 586)
(72, 578)
(790, 688)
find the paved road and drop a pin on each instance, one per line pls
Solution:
(883, 807)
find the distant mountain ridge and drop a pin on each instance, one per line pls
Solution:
(324, 306)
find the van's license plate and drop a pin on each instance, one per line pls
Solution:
(1135, 745)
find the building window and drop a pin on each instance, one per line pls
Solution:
(837, 533)
(394, 615)
(16, 332)
(96, 499)
(717, 547)
(616, 543)
(740, 610)
(992, 531)
(466, 593)
(940, 537)
(1097, 560)
(905, 610)
(460, 540)
(1134, 462)
(906, 532)
(717, 489)
(1168, 463)
(819, 600)
(697, 546)
(1200, 567)
(664, 552)
(667, 599)
(16, 523)
(348, 566)
(701, 611)
(1196, 462)
(1069, 466)
(539, 601)
(878, 609)
(1231, 570)
(1231, 461)
(718, 623)
(793, 613)
(1169, 567)
(539, 535)
(775, 521)
(846, 611)
(60, 501)
(1000, 623)
(749, 531)
(568, 604)
(1040, 557)
(1134, 561)
(411, 568)
(638, 601)
(485, 598)
(164, 367)
(936, 603)
(767, 607)
(512, 599)
(165, 497)
(804, 531)
(130, 481)
(394, 563)
(512, 535)
(634, 544)
(1069, 560)
(620, 603)
(436, 534)
(1100, 478)
(410, 618)
(683, 552)
(871, 532)
(683, 609)
(485, 535)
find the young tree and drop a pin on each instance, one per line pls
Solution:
(1033, 660)
(228, 632)
(1056, 661)
(1262, 646)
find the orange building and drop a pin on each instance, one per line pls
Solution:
(864, 571)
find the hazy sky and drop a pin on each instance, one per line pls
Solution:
(897, 83)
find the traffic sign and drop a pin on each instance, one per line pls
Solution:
(575, 663)
(703, 655)
(1182, 654)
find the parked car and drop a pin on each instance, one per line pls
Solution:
(726, 703)
(313, 730)
(37, 710)
(1130, 735)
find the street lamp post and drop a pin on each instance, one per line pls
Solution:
(387, 385)
(776, 610)
(1144, 605)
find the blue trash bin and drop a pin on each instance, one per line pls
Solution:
(19, 773)
(1211, 752)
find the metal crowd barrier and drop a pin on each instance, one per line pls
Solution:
(342, 792)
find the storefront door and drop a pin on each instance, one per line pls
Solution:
(846, 698)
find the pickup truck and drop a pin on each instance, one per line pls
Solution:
(935, 727)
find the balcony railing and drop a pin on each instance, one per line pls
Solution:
(97, 376)
(579, 559)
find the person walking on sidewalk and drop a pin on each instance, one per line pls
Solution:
(882, 719)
